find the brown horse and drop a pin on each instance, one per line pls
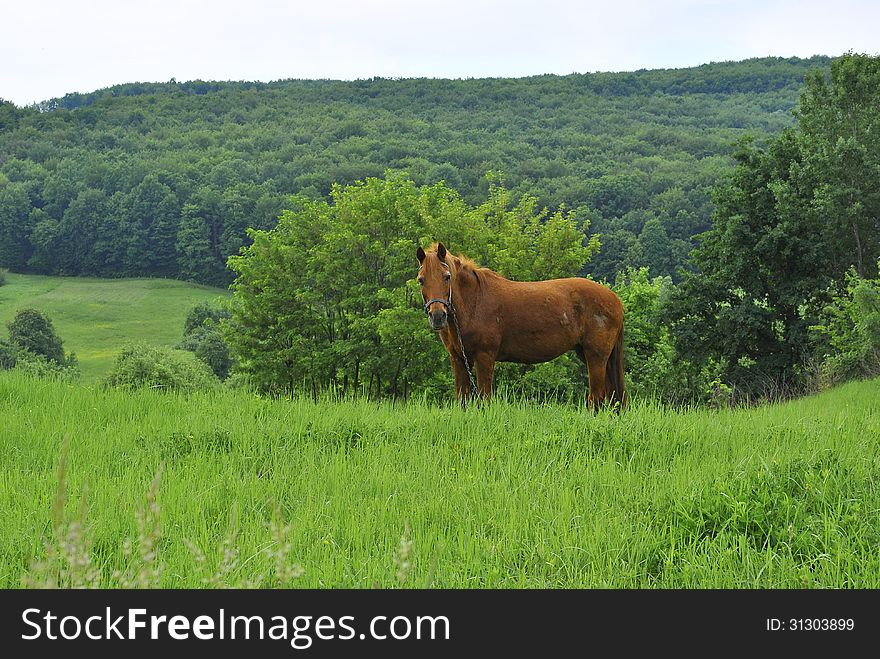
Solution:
(482, 318)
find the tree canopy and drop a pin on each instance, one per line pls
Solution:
(789, 224)
(164, 179)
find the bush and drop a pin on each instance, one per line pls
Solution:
(32, 330)
(214, 352)
(8, 355)
(848, 333)
(207, 344)
(202, 314)
(562, 380)
(202, 336)
(35, 348)
(139, 366)
(15, 357)
(654, 369)
(241, 382)
(39, 366)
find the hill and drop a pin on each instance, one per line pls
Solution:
(96, 317)
(149, 179)
(508, 495)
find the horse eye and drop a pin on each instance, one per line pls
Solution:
(421, 280)
(447, 277)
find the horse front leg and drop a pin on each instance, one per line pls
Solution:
(462, 379)
(485, 374)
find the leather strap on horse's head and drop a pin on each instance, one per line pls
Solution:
(445, 303)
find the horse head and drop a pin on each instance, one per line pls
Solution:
(435, 280)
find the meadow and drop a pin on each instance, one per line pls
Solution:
(96, 317)
(295, 492)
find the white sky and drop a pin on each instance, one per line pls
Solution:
(51, 47)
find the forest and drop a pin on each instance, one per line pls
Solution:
(165, 179)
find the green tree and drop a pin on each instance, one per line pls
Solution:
(33, 331)
(616, 253)
(273, 326)
(744, 305)
(15, 226)
(328, 297)
(654, 368)
(204, 313)
(789, 223)
(43, 237)
(840, 159)
(198, 239)
(656, 248)
(152, 216)
(78, 232)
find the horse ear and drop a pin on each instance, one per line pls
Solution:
(420, 254)
(441, 252)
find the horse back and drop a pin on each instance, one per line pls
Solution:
(538, 321)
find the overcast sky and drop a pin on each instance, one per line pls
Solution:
(51, 47)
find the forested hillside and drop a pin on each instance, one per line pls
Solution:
(164, 179)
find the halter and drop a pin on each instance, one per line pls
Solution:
(445, 303)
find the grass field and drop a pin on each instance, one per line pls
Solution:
(507, 495)
(96, 317)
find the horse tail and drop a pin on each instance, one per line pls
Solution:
(615, 371)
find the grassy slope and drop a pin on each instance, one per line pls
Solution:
(95, 317)
(504, 496)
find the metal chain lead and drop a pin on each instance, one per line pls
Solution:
(471, 378)
(460, 344)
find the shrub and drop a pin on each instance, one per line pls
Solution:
(33, 331)
(33, 347)
(13, 356)
(654, 369)
(202, 336)
(563, 379)
(8, 355)
(241, 382)
(207, 344)
(201, 314)
(39, 366)
(214, 352)
(848, 332)
(139, 366)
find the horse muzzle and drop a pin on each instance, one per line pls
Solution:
(437, 317)
(438, 320)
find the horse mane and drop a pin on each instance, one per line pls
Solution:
(464, 262)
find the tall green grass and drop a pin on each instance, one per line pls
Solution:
(512, 495)
(96, 317)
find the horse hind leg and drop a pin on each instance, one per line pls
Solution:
(596, 371)
(598, 393)
(614, 377)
